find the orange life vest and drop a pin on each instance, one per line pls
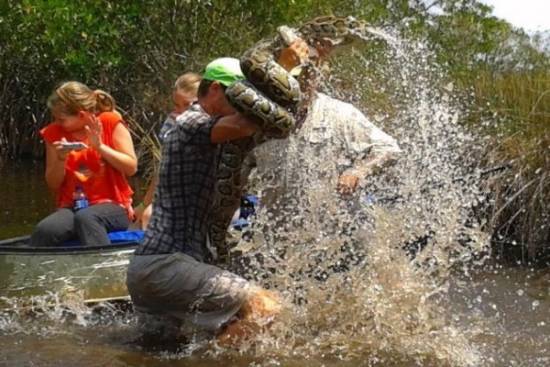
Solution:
(100, 181)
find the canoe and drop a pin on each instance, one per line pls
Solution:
(73, 271)
(119, 241)
(83, 273)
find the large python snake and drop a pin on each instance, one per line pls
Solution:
(271, 95)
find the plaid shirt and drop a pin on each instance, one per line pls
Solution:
(184, 194)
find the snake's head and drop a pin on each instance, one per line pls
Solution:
(323, 35)
(333, 31)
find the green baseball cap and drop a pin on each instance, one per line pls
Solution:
(225, 70)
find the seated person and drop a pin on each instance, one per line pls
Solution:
(88, 177)
(183, 95)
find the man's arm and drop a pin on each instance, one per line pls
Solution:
(372, 148)
(352, 177)
(232, 127)
(364, 168)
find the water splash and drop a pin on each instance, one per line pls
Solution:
(353, 291)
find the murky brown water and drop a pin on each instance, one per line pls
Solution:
(503, 315)
(24, 196)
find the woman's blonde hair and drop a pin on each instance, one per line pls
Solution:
(188, 83)
(72, 97)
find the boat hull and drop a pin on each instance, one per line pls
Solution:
(85, 273)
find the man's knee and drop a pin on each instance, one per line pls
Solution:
(261, 305)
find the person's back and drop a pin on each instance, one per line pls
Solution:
(183, 196)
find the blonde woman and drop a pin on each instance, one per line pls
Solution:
(184, 94)
(89, 154)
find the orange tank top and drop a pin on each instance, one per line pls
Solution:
(99, 180)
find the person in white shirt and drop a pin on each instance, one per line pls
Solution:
(309, 183)
(336, 144)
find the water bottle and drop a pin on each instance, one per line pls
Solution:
(79, 199)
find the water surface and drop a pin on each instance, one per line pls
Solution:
(24, 196)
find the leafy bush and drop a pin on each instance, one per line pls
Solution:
(135, 50)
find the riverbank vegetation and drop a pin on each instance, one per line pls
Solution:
(135, 50)
(520, 216)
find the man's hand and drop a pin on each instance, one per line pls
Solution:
(294, 55)
(347, 184)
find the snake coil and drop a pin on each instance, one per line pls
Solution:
(271, 95)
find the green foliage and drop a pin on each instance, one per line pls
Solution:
(135, 50)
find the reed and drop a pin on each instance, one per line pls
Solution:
(147, 146)
(138, 60)
(520, 215)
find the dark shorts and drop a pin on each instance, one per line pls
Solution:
(179, 286)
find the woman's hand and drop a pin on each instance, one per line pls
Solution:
(60, 151)
(94, 132)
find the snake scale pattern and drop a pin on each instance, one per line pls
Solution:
(271, 95)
